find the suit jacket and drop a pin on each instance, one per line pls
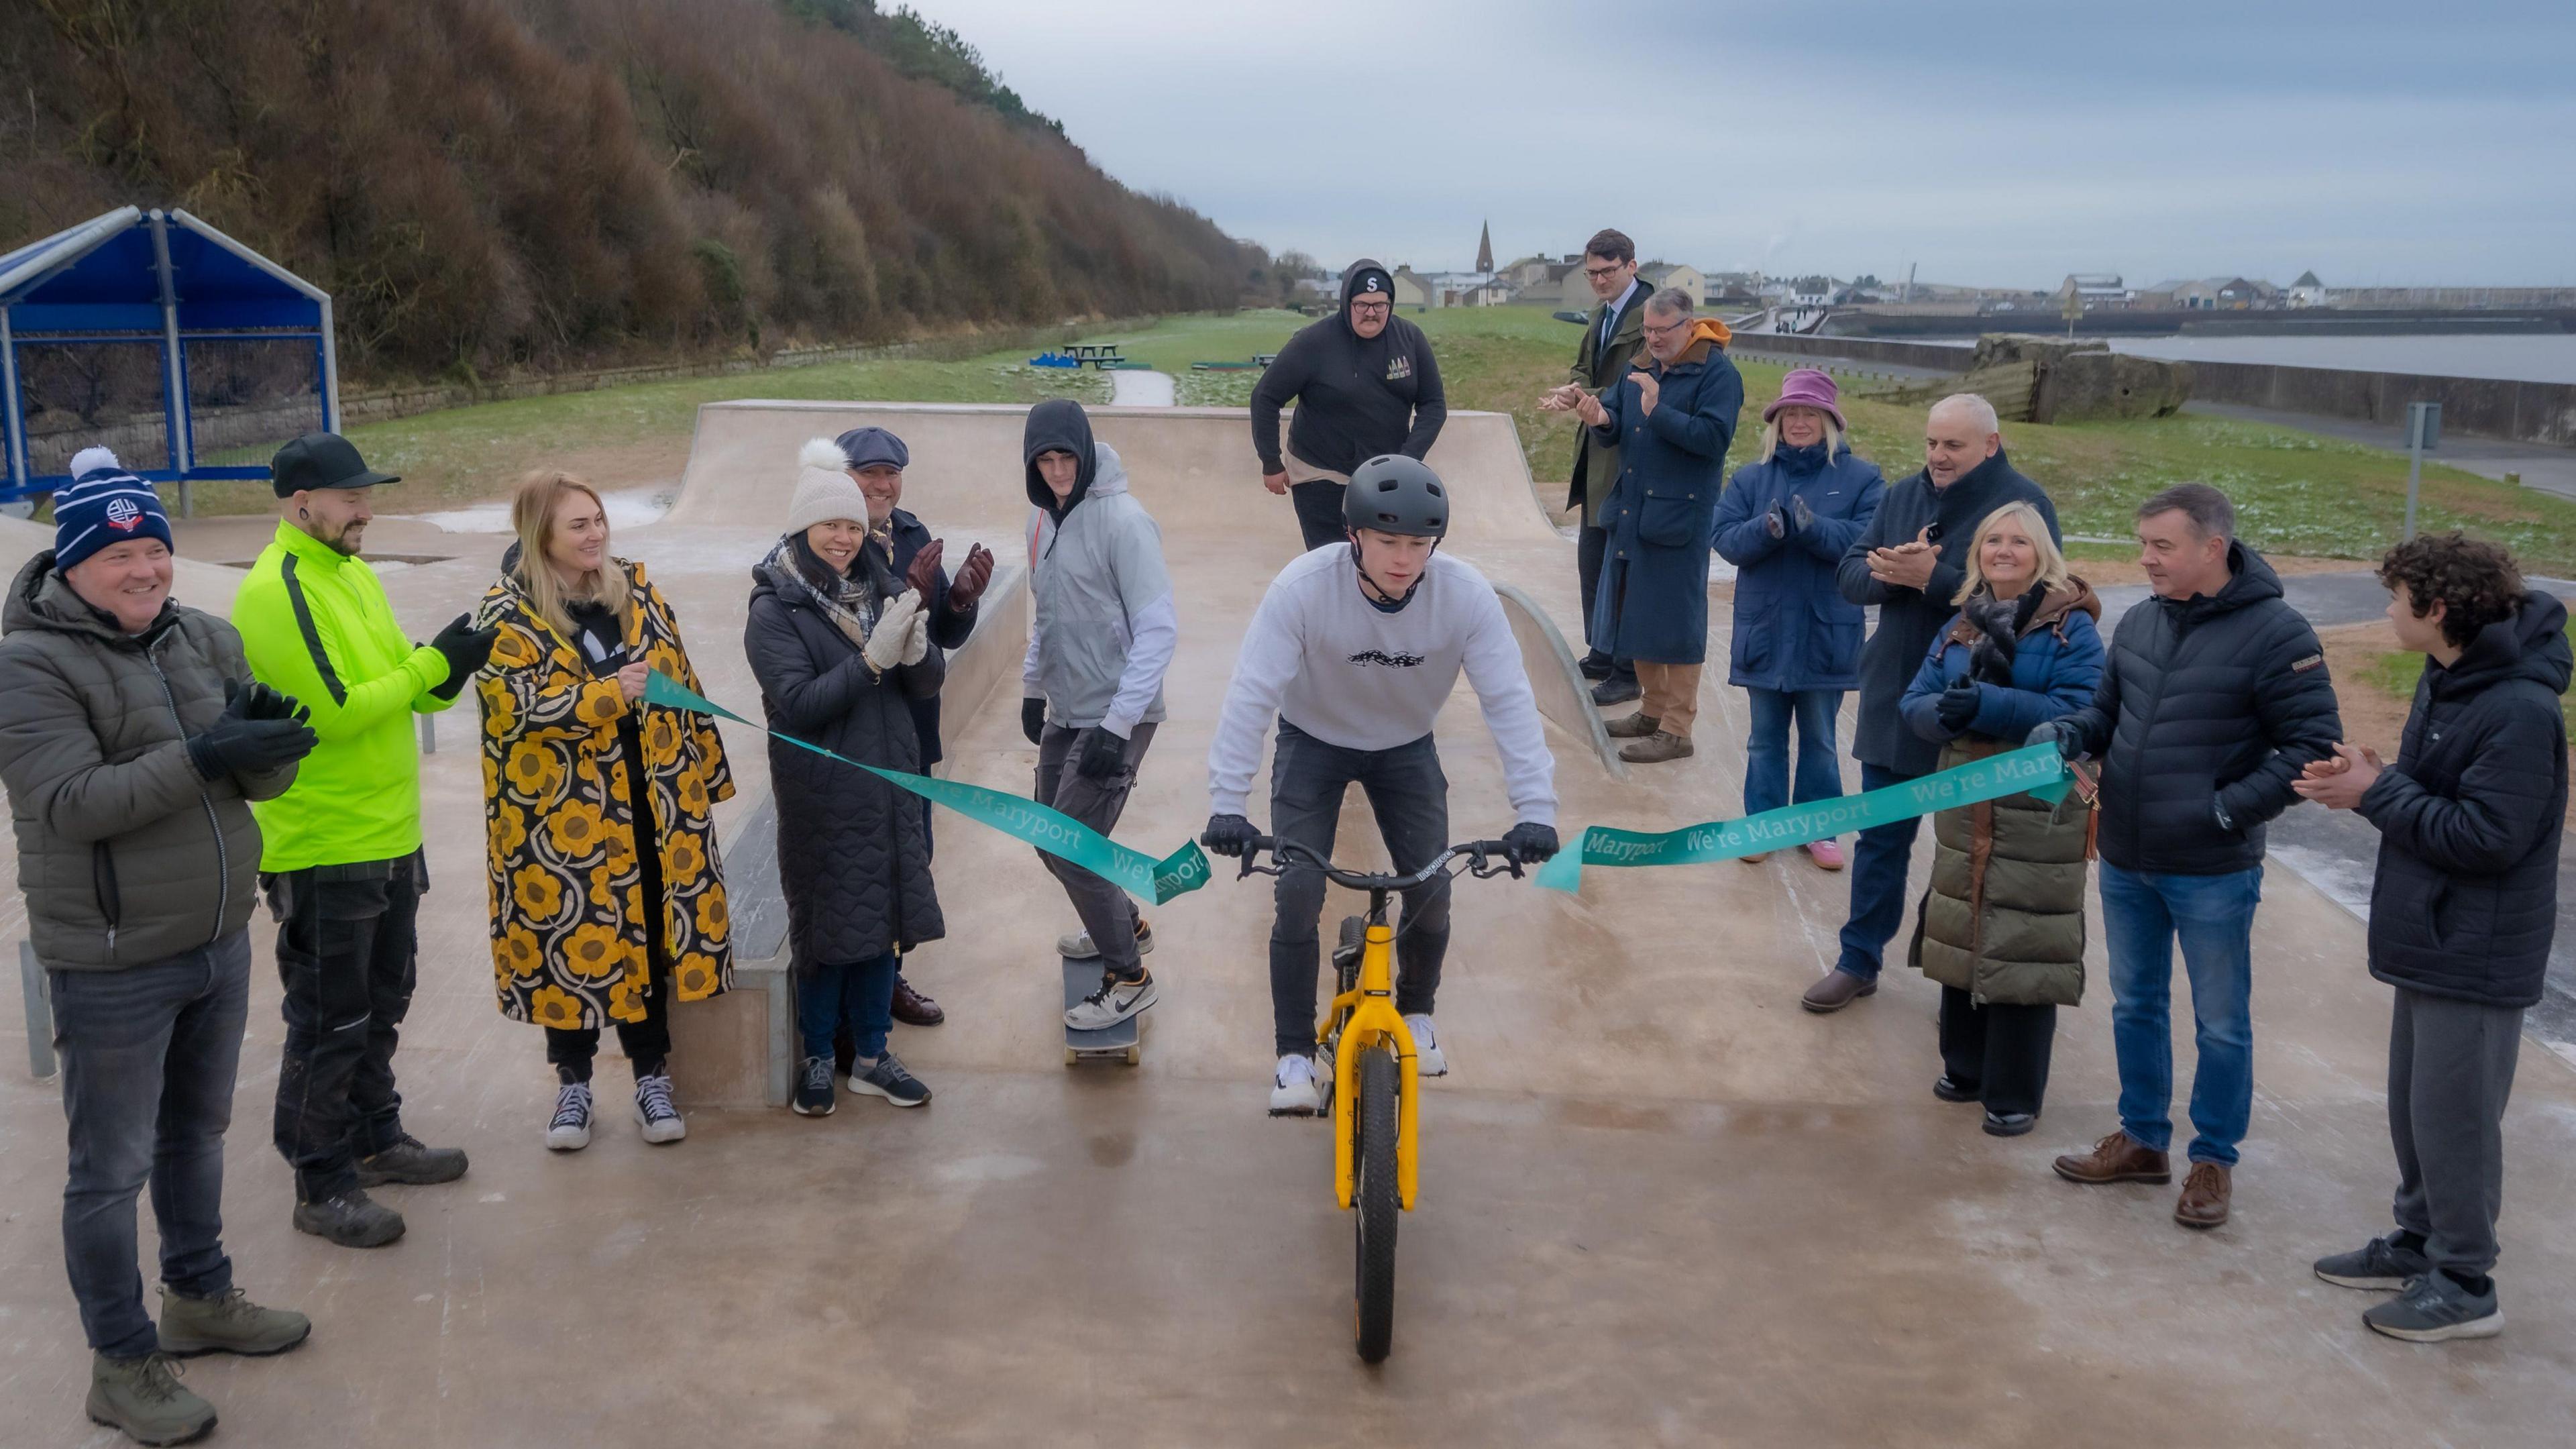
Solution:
(1596, 463)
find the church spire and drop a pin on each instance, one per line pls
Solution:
(1485, 250)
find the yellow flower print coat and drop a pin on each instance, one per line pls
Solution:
(567, 939)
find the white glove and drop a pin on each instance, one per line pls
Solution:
(917, 648)
(888, 641)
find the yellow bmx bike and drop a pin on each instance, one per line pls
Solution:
(1368, 1053)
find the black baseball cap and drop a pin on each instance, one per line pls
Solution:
(322, 460)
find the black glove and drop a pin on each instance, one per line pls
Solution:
(1033, 719)
(257, 701)
(466, 647)
(1956, 706)
(1776, 521)
(1530, 842)
(2060, 733)
(1103, 754)
(1228, 835)
(1800, 513)
(237, 741)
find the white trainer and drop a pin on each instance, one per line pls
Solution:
(1078, 947)
(1427, 1059)
(1293, 1092)
(1113, 1003)
(569, 1131)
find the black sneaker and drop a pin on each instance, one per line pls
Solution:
(1947, 1088)
(569, 1129)
(1595, 667)
(1617, 689)
(889, 1080)
(2379, 1263)
(351, 1219)
(814, 1089)
(2010, 1124)
(411, 1164)
(2433, 1309)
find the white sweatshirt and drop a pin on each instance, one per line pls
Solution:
(1321, 656)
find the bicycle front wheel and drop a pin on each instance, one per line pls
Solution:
(1374, 1203)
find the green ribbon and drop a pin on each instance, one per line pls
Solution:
(2037, 769)
(1052, 831)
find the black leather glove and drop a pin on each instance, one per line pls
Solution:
(2060, 733)
(1800, 513)
(1956, 706)
(237, 741)
(1228, 835)
(1033, 719)
(1530, 842)
(257, 701)
(1776, 522)
(466, 647)
(1103, 754)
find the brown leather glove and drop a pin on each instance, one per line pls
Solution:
(923, 576)
(972, 576)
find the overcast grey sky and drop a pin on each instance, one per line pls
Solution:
(1994, 143)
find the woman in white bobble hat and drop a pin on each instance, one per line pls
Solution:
(839, 645)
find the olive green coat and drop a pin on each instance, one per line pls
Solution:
(1596, 463)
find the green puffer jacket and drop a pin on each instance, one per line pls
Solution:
(127, 855)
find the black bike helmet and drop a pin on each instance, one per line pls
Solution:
(1396, 494)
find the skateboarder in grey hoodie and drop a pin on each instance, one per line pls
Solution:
(1092, 685)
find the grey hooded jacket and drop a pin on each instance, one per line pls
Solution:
(1104, 626)
(126, 854)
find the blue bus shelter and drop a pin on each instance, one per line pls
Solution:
(156, 334)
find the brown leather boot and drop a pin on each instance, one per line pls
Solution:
(2204, 1196)
(914, 1009)
(1835, 990)
(1656, 748)
(1630, 726)
(2116, 1158)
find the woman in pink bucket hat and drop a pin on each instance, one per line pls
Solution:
(1784, 523)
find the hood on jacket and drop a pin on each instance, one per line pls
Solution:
(1351, 288)
(1059, 424)
(2532, 645)
(1705, 333)
(41, 598)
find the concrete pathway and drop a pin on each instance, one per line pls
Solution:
(2551, 470)
(1128, 389)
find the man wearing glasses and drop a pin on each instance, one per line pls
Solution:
(1610, 339)
(1365, 385)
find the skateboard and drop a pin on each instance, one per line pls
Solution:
(1125, 1041)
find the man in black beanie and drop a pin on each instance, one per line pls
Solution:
(1364, 383)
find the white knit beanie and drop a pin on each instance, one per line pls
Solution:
(823, 489)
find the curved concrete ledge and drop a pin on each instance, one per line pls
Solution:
(1563, 696)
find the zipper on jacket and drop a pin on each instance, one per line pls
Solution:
(102, 883)
(223, 861)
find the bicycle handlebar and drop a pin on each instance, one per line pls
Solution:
(1477, 852)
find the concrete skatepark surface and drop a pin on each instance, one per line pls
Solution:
(1660, 1204)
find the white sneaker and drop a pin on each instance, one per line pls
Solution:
(654, 1111)
(1427, 1059)
(1293, 1092)
(570, 1129)
(1078, 947)
(1113, 1003)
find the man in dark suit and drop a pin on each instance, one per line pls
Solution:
(1610, 339)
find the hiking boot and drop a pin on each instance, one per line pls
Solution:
(655, 1112)
(885, 1077)
(1655, 749)
(2433, 1308)
(1078, 947)
(2203, 1203)
(1835, 990)
(2116, 1158)
(409, 1163)
(2010, 1124)
(1427, 1060)
(814, 1089)
(144, 1398)
(914, 1009)
(1631, 726)
(1112, 1003)
(1617, 689)
(2381, 1263)
(227, 1323)
(1947, 1088)
(569, 1129)
(351, 1219)
(1293, 1089)
(1827, 854)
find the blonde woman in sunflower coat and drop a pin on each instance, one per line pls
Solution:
(608, 901)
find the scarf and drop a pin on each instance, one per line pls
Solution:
(852, 606)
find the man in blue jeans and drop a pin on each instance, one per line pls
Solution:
(1910, 562)
(2214, 700)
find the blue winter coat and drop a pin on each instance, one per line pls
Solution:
(1794, 630)
(2055, 669)
(1653, 602)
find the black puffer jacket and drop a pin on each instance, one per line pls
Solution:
(853, 861)
(2469, 818)
(2207, 701)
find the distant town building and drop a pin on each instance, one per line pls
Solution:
(2307, 291)
(1414, 291)
(2214, 294)
(1660, 275)
(1485, 250)
(2097, 291)
(2471, 298)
